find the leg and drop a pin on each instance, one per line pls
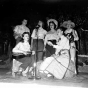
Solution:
(45, 63)
(15, 67)
(73, 57)
(40, 56)
(24, 73)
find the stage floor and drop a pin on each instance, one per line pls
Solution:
(6, 80)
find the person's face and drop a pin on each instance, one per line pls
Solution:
(68, 26)
(26, 37)
(24, 22)
(40, 23)
(59, 32)
(51, 26)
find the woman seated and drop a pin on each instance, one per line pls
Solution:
(22, 56)
(59, 63)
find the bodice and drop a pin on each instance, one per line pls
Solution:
(70, 36)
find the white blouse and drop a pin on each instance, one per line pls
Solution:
(62, 44)
(50, 36)
(76, 38)
(40, 34)
(21, 47)
(20, 29)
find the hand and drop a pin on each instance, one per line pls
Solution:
(50, 43)
(54, 46)
(25, 53)
(33, 52)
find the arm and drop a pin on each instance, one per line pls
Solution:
(64, 43)
(16, 49)
(76, 38)
(45, 40)
(31, 43)
(60, 45)
(16, 32)
(27, 29)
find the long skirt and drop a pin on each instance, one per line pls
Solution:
(23, 63)
(49, 49)
(38, 46)
(57, 65)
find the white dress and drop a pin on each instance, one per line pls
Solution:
(58, 64)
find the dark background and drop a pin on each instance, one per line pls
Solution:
(12, 12)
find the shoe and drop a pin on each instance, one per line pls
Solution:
(24, 74)
(43, 75)
(49, 76)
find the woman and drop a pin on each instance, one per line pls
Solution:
(19, 30)
(37, 43)
(51, 37)
(72, 35)
(22, 55)
(58, 64)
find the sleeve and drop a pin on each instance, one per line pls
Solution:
(33, 34)
(28, 30)
(61, 44)
(45, 32)
(46, 38)
(76, 38)
(16, 29)
(16, 32)
(16, 49)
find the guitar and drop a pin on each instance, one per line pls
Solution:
(21, 55)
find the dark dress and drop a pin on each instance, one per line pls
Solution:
(49, 49)
(26, 60)
(38, 46)
(51, 37)
(70, 37)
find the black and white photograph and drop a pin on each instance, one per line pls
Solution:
(44, 43)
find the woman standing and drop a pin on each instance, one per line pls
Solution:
(72, 35)
(37, 42)
(51, 37)
(19, 30)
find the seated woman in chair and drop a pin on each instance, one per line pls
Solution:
(57, 64)
(22, 56)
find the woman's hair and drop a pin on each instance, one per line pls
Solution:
(52, 23)
(60, 28)
(25, 33)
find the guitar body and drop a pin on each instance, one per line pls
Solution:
(20, 55)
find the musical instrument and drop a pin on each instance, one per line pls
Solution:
(52, 41)
(21, 55)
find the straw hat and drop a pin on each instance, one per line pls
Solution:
(55, 21)
(66, 23)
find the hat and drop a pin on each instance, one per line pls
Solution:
(50, 20)
(66, 23)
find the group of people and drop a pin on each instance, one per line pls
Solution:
(54, 51)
